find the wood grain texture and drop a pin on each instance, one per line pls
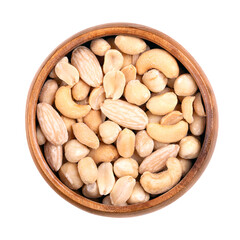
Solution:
(184, 58)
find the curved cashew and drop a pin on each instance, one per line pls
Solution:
(65, 104)
(167, 133)
(187, 108)
(198, 105)
(156, 183)
(159, 59)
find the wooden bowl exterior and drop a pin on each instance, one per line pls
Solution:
(188, 62)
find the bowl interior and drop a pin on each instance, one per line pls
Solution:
(154, 38)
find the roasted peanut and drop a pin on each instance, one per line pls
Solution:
(109, 131)
(113, 60)
(40, 136)
(93, 120)
(138, 195)
(91, 190)
(172, 118)
(189, 147)
(198, 105)
(129, 72)
(97, 97)
(144, 144)
(99, 46)
(80, 90)
(185, 85)
(126, 167)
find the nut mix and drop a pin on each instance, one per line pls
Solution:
(119, 122)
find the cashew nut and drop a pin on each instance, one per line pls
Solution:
(65, 104)
(157, 183)
(158, 59)
(187, 108)
(167, 133)
(198, 105)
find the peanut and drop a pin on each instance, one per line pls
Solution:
(129, 72)
(91, 190)
(185, 85)
(197, 127)
(80, 90)
(109, 131)
(172, 118)
(189, 147)
(113, 60)
(198, 105)
(40, 136)
(144, 144)
(93, 120)
(48, 91)
(125, 167)
(99, 46)
(138, 195)
(96, 98)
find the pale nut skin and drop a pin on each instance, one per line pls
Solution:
(93, 120)
(113, 60)
(153, 118)
(138, 195)
(97, 97)
(186, 165)
(69, 175)
(129, 72)
(154, 80)
(65, 104)
(190, 147)
(109, 131)
(126, 143)
(53, 155)
(130, 45)
(40, 136)
(185, 85)
(85, 135)
(172, 118)
(80, 90)
(167, 133)
(197, 127)
(114, 84)
(198, 105)
(125, 167)
(136, 92)
(91, 191)
(87, 170)
(67, 72)
(122, 190)
(105, 153)
(99, 46)
(158, 59)
(68, 123)
(106, 178)
(157, 183)
(144, 144)
(157, 160)
(75, 151)
(187, 108)
(162, 104)
(48, 91)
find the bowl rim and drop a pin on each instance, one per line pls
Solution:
(182, 56)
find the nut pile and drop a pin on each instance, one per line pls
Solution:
(118, 122)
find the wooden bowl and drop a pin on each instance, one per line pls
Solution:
(184, 58)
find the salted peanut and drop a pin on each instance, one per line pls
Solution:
(67, 72)
(125, 167)
(85, 135)
(99, 46)
(127, 60)
(125, 114)
(126, 143)
(122, 190)
(130, 45)
(69, 175)
(136, 157)
(189, 147)
(105, 153)
(187, 108)
(129, 72)
(91, 191)
(48, 92)
(93, 120)
(162, 104)
(172, 118)
(186, 165)
(114, 83)
(75, 151)
(153, 118)
(40, 136)
(109, 131)
(53, 155)
(158, 59)
(154, 80)
(97, 97)
(144, 144)
(113, 60)
(87, 170)
(136, 92)
(107, 201)
(68, 123)
(198, 105)
(157, 160)
(170, 82)
(158, 145)
(105, 179)
(167, 133)
(80, 90)
(87, 65)
(157, 183)
(197, 127)
(51, 124)
(185, 85)
(65, 104)
(138, 195)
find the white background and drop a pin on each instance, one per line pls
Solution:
(30, 30)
